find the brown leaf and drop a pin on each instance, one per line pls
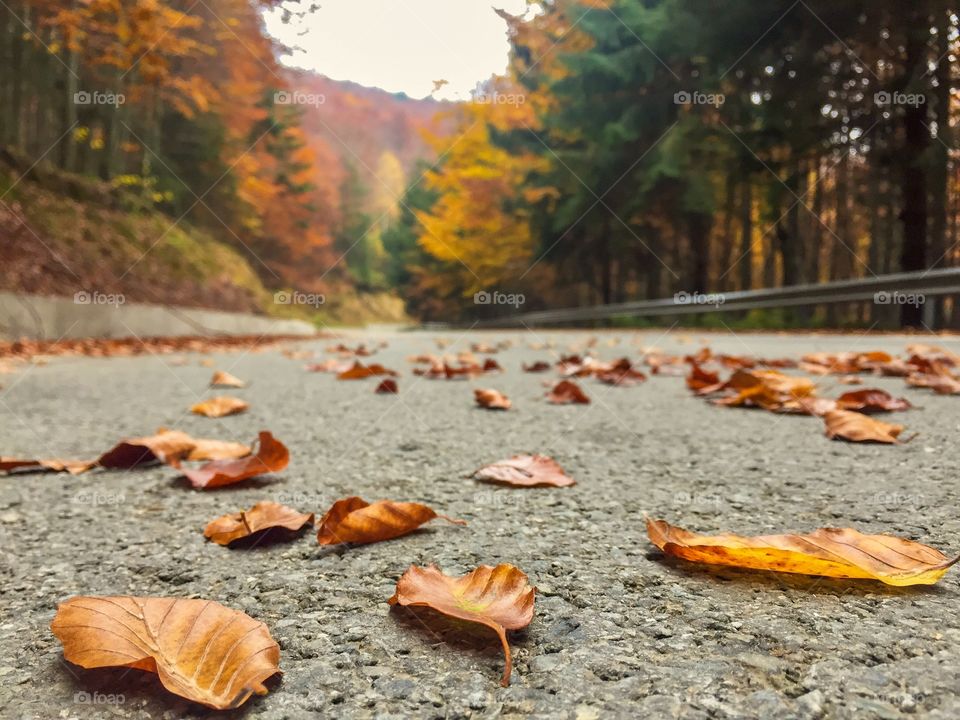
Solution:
(262, 516)
(940, 384)
(526, 471)
(223, 379)
(200, 649)
(387, 386)
(537, 367)
(871, 400)
(491, 399)
(857, 427)
(217, 450)
(359, 371)
(829, 552)
(567, 392)
(220, 406)
(272, 456)
(491, 365)
(332, 365)
(74, 467)
(499, 597)
(700, 380)
(354, 520)
(167, 446)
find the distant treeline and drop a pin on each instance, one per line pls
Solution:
(638, 149)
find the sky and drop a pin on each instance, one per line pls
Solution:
(401, 45)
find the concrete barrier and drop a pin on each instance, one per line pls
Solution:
(96, 315)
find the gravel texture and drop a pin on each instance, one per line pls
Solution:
(618, 631)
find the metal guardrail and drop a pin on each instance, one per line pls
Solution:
(882, 289)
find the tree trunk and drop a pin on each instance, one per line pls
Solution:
(746, 234)
(913, 253)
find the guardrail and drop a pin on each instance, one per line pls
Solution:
(882, 289)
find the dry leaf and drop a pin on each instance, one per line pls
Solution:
(499, 597)
(223, 379)
(526, 471)
(702, 381)
(200, 649)
(537, 367)
(217, 450)
(220, 406)
(567, 392)
(830, 552)
(871, 400)
(857, 427)
(491, 365)
(359, 371)
(74, 467)
(767, 389)
(167, 446)
(354, 520)
(387, 386)
(491, 399)
(940, 384)
(272, 456)
(262, 516)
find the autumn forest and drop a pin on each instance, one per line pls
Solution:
(632, 150)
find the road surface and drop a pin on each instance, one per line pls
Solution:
(618, 630)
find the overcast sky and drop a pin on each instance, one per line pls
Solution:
(402, 45)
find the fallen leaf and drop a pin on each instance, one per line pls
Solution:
(74, 467)
(940, 384)
(220, 406)
(871, 400)
(200, 649)
(849, 380)
(332, 366)
(359, 371)
(262, 516)
(166, 446)
(829, 552)
(857, 427)
(217, 450)
(354, 520)
(567, 392)
(223, 379)
(537, 367)
(272, 456)
(766, 389)
(700, 380)
(499, 597)
(387, 386)
(491, 399)
(491, 365)
(526, 471)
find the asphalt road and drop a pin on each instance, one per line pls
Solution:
(618, 630)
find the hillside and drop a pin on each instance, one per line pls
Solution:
(369, 140)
